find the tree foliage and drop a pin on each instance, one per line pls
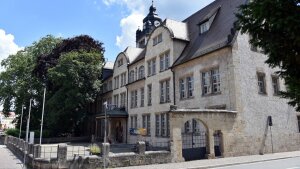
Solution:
(18, 85)
(274, 27)
(70, 69)
(72, 74)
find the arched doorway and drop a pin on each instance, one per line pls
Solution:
(194, 140)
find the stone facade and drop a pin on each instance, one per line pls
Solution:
(213, 83)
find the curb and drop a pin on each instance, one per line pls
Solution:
(239, 163)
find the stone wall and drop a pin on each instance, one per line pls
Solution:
(34, 160)
(251, 135)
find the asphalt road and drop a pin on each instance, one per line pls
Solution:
(289, 163)
(8, 159)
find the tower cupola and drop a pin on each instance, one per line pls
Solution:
(149, 23)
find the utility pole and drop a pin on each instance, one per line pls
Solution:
(42, 121)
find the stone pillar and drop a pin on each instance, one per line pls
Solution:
(141, 147)
(5, 140)
(22, 145)
(224, 144)
(211, 145)
(62, 155)
(37, 151)
(176, 145)
(30, 149)
(26, 147)
(105, 148)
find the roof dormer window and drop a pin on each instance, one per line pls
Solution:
(157, 39)
(120, 62)
(204, 27)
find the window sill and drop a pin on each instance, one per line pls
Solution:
(158, 136)
(263, 94)
(164, 70)
(165, 102)
(149, 104)
(187, 98)
(151, 75)
(211, 94)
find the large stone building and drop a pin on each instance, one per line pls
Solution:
(199, 85)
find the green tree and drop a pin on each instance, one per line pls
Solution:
(18, 85)
(77, 79)
(274, 26)
(72, 73)
(70, 69)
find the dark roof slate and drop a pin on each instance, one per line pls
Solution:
(220, 33)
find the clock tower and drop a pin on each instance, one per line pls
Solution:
(150, 22)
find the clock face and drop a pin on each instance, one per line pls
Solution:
(156, 23)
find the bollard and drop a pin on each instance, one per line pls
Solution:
(30, 149)
(141, 147)
(105, 148)
(62, 155)
(37, 151)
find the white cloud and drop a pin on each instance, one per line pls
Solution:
(7, 45)
(175, 9)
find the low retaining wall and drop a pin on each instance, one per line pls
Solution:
(110, 160)
(63, 139)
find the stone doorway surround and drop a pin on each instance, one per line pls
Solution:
(214, 120)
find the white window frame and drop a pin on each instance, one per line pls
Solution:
(275, 84)
(131, 76)
(149, 94)
(165, 91)
(142, 97)
(141, 72)
(204, 27)
(211, 82)
(146, 119)
(261, 82)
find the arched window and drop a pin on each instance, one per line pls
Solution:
(131, 76)
(141, 72)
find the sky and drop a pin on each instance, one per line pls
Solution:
(112, 22)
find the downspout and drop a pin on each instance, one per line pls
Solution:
(127, 103)
(174, 93)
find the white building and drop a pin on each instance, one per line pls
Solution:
(199, 84)
(7, 122)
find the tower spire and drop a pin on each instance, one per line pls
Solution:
(152, 2)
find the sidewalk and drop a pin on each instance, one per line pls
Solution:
(221, 162)
(8, 160)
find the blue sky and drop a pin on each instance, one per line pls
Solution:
(113, 22)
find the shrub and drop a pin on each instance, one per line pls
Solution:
(14, 132)
(95, 149)
(46, 134)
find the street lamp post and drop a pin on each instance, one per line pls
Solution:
(105, 128)
(27, 131)
(42, 121)
(28, 121)
(21, 122)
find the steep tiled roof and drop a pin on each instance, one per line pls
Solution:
(220, 33)
(132, 53)
(179, 30)
(109, 65)
(140, 57)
